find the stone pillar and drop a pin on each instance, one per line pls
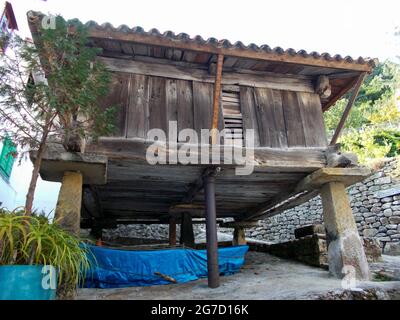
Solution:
(187, 234)
(68, 210)
(345, 249)
(172, 231)
(239, 236)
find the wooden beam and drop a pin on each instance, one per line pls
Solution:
(270, 159)
(252, 79)
(306, 189)
(350, 103)
(232, 52)
(217, 98)
(339, 95)
(198, 185)
(238, 224)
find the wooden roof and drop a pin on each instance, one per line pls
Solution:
(136, 43)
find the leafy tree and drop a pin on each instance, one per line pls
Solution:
(375, 102)
(50, 90)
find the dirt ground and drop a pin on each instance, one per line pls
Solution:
(262, 277)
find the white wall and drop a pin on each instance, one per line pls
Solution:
(13, 193)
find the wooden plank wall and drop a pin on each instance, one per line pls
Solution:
(280, 118)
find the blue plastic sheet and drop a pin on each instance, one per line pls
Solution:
(120, 268)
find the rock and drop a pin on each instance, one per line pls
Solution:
(391, 226)
(372, 248)
(367, 233)
(383, 180)
(384, 221)
(370, 220)
(394, 220)
(387, 212)
(392, 248)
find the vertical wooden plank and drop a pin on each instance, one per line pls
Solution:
(202, 105)
(279, 119)
(294, 125)
(263, 116)
(312, 119)
(184, 104)
(138, 110)
(118, 98)
(157, 104)
(171, 99)
(249, 112)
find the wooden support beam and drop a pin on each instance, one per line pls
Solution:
(340, 94)
(217, 98)
(197, 186)
(346, 111)
(239, 237)
(187, 234)
(238, 224)
(237, 77)
(172, 231)
(306, 189)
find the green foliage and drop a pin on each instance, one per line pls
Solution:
(375, 102)
(53, 87)
(375, 110)
(364, 143)
(34, 240)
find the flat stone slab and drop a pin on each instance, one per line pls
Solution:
(55, 162)
(389, 192)
(347, 176)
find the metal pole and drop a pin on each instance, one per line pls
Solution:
(211, 232)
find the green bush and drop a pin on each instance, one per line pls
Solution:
(34, 240)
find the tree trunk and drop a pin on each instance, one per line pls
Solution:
(35, 175)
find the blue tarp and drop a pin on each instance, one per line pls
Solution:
(120, 268)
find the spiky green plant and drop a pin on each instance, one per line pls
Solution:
(34, 240)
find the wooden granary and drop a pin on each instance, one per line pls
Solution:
(159, 78)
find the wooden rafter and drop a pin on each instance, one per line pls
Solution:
(233, 52)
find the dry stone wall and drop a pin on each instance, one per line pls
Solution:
(375, 203)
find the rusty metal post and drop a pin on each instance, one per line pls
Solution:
(211, 232)
(217, 97)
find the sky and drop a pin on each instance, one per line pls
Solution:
(348, 27)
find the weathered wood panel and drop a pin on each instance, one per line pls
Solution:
(294, 126)
(312, 119)
(270, 117)
(118, 98)
(138, 110)
(237, 77)
(202, 105)
(249, 112)
(157, 104)
(184, 104)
